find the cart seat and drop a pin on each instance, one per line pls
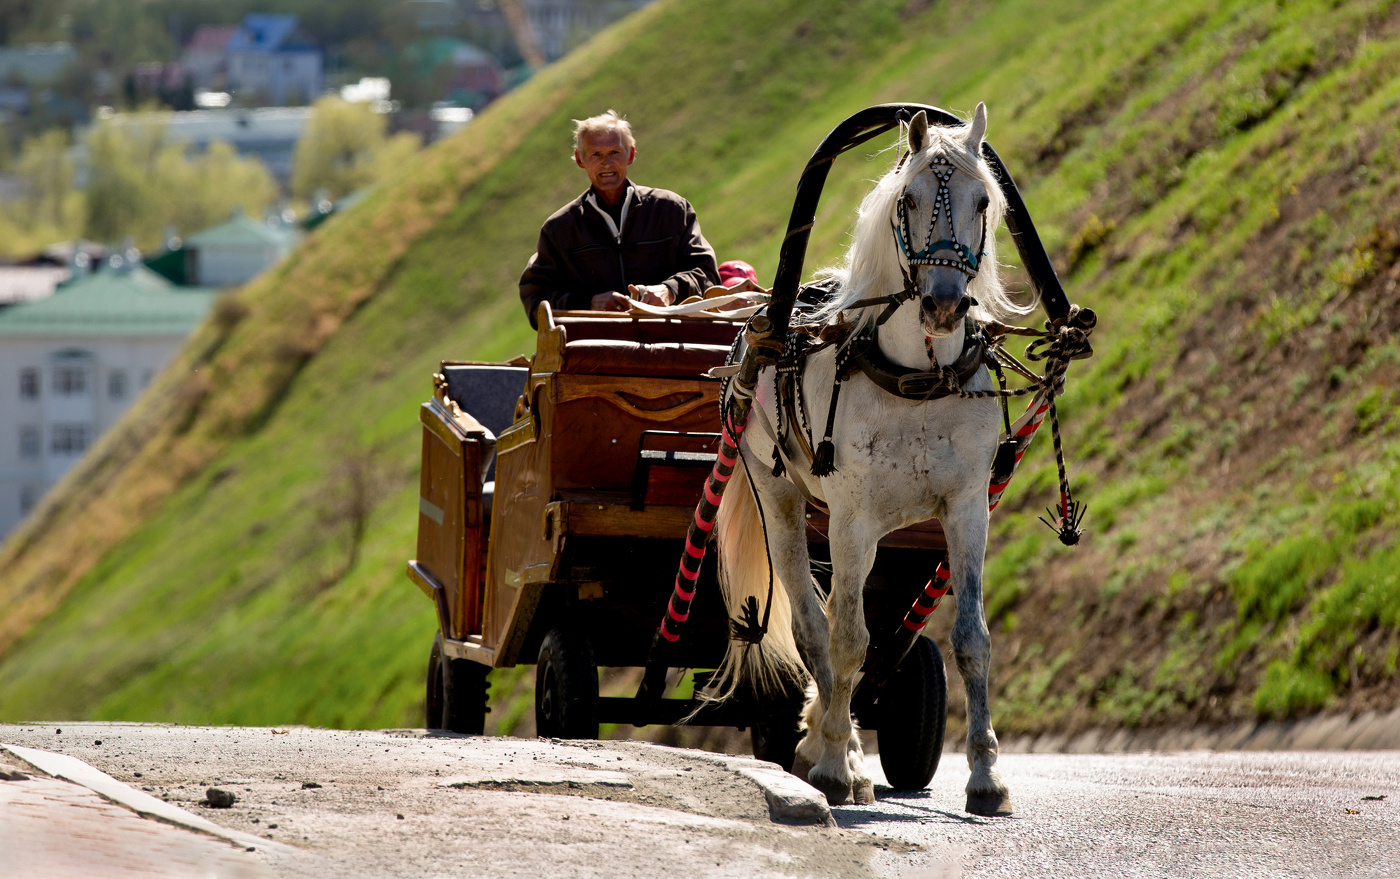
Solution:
(487, 392)
(627, 358)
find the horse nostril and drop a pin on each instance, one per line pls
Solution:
(963, 304)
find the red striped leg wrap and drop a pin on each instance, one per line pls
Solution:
(929, 599)
(678, 608)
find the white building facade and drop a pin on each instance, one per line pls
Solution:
(235, 252)
(71, 364)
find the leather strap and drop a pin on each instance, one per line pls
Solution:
(914, 384)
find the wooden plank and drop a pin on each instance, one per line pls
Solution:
(620, 520)
(470, 648)
(610, 516)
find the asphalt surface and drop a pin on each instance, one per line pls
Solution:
(1192, 814)
(408, 804)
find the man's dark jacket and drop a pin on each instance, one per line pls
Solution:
(578, 257)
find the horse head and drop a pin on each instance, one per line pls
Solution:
(940, 219)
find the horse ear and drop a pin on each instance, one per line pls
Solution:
(918, 132)
(978, 131)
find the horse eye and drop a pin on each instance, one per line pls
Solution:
(909, 201)
(982, 204)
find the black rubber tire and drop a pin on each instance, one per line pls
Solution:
(456, 693)
(566, 687)
(912, 712)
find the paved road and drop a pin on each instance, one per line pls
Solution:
(1139, 815)
(315, 803)
(407, 805)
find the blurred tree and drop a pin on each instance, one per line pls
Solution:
(122, 194)
(205, 189)
(138, 183)
(344, 148)
(46, 174)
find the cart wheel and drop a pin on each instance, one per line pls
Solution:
(456, 693)
(566, 687)
(911, 713)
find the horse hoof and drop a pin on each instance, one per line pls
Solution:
(836, 793)
(863, 792)
(989, 805)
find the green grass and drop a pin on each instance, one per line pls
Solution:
(1211, 178)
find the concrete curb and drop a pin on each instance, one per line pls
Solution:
(77, 772)
(790, 799)
(1369, 731)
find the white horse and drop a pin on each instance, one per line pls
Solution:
(898, 461)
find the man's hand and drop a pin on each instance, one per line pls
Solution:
(652, 294)
(610, 302)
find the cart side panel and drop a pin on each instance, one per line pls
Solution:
(525, 542)
(450, 519)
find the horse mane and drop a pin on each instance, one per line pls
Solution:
(873, 263)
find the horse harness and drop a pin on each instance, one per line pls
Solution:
(857, 351)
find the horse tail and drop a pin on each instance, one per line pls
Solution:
(772, 665)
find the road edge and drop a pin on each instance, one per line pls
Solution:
(75, 771)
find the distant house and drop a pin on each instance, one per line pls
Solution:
(72, 363)
(268, 57)
(205, 57)
(23, 69)
(470, 76)
(234, 252)
(29, 283)
(38, 64)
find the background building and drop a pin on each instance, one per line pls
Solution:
(72, 363)
(235, 252)
(271, 62)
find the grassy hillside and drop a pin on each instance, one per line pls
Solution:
(1219, 183)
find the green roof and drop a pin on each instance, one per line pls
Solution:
(239, 230)
(113, 302)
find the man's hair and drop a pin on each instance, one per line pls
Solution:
(601, 123)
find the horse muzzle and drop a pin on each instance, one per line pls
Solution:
(942, 314)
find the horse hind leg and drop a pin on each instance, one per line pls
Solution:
(809, 753)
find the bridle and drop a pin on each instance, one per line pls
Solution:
(966, 261)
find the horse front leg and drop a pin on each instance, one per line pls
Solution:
(965, 527)
(840, 771)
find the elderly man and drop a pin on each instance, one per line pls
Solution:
(617, 239)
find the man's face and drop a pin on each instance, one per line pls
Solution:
(605, 157)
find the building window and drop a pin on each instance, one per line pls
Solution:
(68, 439)
(29, 442)
(28, 497)
(69, 381)
(29, 383)
(116, 384)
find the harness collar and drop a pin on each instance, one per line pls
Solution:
(915, 384)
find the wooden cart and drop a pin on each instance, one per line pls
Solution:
(599, 447)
